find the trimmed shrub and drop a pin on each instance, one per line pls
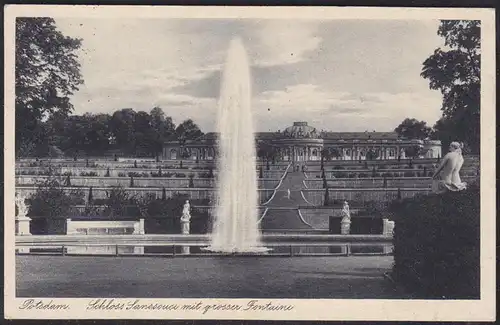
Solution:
(437, 241)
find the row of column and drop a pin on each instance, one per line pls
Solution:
(300, 153)
(359, 152)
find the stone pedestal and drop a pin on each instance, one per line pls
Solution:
(185, 231)
(23, 229)
(23, 226)
(387, 227)
(345, 227)
(139, 227)
(388, 230)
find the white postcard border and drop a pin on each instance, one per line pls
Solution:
(310, 309)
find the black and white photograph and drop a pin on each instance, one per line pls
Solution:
(216, 162)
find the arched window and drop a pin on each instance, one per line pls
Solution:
(314, 152)
(173, 154)
(348, 152)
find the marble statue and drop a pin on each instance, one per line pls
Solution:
(345, 225)
(185, 218)
(22, 209)
(447, 176)
(22, 221)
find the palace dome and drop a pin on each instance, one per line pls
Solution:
(301, 130)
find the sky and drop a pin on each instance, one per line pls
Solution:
(338, 75)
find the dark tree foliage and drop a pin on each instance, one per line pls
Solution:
(412, 128)
(47, 73)
(455, 71)
(188, 130)
(413, 151)
(51, 199)
(372, 154)
(267, 151)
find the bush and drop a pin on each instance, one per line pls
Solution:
(91, 174)
(52, 200)
(117, 201)
(437, 244)
(121, 174)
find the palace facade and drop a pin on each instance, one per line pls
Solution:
(301, 142)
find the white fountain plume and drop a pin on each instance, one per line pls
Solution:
(235, 226)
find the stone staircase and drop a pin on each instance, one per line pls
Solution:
(283, 212)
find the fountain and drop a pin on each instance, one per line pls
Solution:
(235, 226)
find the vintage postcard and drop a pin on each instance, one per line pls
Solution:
(274, 163)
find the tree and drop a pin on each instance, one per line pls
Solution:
(412, 128)
(372, 154)
(47, 73)
(326, 200)
(123, 129)
(188, 130)
(456, 73)
(413, 151)
(267, 151)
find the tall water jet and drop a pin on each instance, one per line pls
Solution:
(235, 226)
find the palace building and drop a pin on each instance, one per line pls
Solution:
(302, 142)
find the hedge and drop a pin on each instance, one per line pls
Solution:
(437, 243)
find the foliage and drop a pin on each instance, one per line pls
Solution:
(51, 199)
(413, 151)
(47, 73)
(456, 73)
(330, 153)
(139, 133)
(188, 130)
(267, 151)
(437, 244)
(372, 154)
(412, 128)
(117, 200)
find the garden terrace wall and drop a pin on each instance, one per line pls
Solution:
(367, 173)
(437, 244)
(86, 181)
(123, 172)
(101, 192)
(132, 211)
(469, 161)
(171, 164)
(401, 182)
(360, 195)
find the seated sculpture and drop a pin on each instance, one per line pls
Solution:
(447, 176)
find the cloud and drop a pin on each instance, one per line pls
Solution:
(280, 42)
(342, 111)
(345, 75)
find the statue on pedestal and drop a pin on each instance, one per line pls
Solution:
(447, 176)
(345, 224)
(22, 221)
(185, 218)
(22, 209)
